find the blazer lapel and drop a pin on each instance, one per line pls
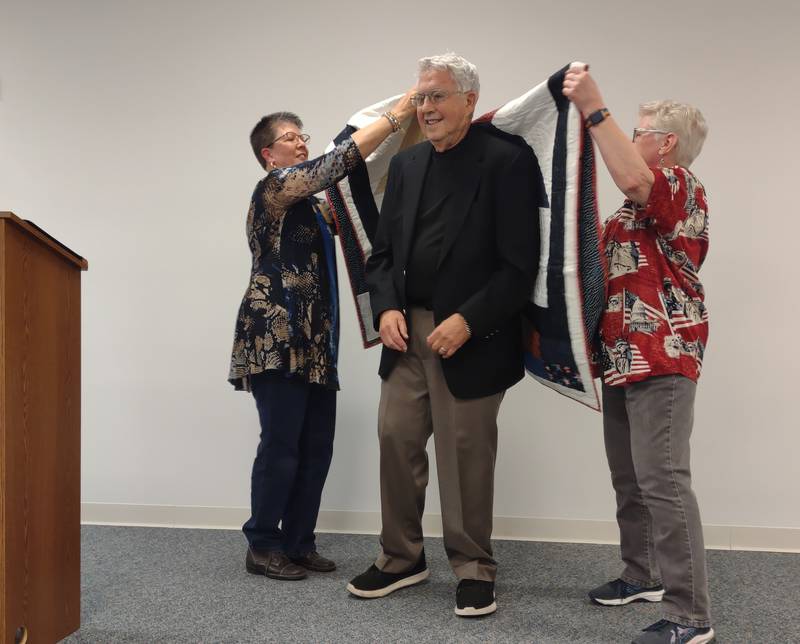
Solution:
(414, 181)
(467, 180)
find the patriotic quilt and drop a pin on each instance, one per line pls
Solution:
(567, 301)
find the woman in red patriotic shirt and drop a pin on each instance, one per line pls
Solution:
(652, 338)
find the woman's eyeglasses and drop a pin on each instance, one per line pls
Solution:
(638, 131)
(290, 137)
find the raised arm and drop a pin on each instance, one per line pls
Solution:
(627, 168)
(285, 186)
(370, 137)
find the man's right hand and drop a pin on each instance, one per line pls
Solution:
(394, 332)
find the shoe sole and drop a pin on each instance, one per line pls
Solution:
(387, 590)
(703, 639)
(651, 596)
(469, 611)
(261, 572)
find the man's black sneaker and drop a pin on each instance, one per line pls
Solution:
(375, 583)
(664, 632)
(619, 593)
(475, 597)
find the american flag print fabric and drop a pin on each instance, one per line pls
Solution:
(655, 320)
(623, 360)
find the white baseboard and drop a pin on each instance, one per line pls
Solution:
(718, 537)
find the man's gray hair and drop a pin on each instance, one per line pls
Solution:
(464, 73)
(684, 120)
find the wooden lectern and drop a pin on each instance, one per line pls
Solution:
(40, 420)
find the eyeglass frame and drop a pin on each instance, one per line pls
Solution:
(644, 130)
(305, 138)
(414, 100)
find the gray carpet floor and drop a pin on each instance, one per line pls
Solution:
(147, 585)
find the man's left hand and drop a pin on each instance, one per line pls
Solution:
(448, 337)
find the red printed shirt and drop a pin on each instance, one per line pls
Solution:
(656, 322)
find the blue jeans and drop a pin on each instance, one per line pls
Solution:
(291, 464)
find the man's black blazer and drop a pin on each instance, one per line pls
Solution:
(488, 259)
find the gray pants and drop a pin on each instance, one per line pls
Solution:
(415, 403)
(647, 426)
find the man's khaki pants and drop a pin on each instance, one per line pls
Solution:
(415, 403)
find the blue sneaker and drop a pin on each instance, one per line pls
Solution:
(619, 593)
(664, 632)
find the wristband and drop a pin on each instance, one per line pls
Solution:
(393, 121)
(597, 117)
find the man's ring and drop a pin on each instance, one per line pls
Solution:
(442, 350)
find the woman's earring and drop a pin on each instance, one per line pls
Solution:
(660, 162)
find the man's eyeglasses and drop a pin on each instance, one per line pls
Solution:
(290, 137)
(638, 131)
(436, 96)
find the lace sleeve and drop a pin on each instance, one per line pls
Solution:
(286, 186)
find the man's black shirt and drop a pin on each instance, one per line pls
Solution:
(430, 224)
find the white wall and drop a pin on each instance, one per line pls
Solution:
(123, 132)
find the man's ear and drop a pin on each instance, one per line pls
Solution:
(472, 99)
(267, 156)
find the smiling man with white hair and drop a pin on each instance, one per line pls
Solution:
(453, 264)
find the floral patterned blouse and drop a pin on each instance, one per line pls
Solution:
(287, 321)
(656, 321)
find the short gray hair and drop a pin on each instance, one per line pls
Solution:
(464, 73)
(684, 120)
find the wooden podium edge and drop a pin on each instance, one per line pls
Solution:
(48, 241)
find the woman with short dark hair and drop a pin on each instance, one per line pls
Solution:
(287, 336)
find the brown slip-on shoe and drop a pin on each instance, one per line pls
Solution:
(315, 561)
(274, 565)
